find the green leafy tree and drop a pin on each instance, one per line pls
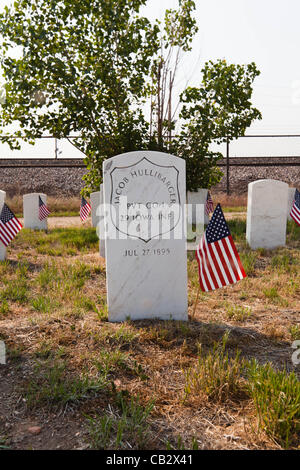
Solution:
(87, 68)
(83, 70)
(218, 111)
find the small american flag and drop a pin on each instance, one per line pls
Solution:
(295, 211)
(85, 209)
(10, 226)
(218, 260)
(43, 209)
(209, 205)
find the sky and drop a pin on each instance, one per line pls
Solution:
(241, 31)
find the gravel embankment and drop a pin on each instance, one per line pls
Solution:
(68, 181)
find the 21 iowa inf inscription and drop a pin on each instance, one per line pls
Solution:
(144, 199)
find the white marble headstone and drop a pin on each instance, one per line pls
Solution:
(196, 217)
(101, 223)
(198, 201)
(2, 247)
(95, 203)
(266, 214)
(291, 197)
(31, 211)
(146, 261)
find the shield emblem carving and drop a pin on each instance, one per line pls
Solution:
(144, 200)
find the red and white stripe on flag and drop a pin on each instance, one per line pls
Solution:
(43, 209)
(10, 226)
(218, 260)
(85, 209)
(295, 211)
(209, 205)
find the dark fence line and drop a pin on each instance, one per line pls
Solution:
(78, 162)
(42, 163)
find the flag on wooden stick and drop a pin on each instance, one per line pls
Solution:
(85, 209)
(218, 260)
(10, 226)
(43, 209)
(209, 205)
(295, 211)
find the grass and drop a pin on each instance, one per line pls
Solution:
(276, 395)
(17, 292)
(64, 356)
(51, 385)
(216, 374)
(125, 428)
(4, 307)
(238, 313)
(248, 259)
(59, 241)
(295, 332)
(42, 304)
(60, 207)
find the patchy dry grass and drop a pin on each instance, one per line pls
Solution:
(146, 384)
(62, 207)
(231, 203)
(69, 206)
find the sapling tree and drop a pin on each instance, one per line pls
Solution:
(87, 68)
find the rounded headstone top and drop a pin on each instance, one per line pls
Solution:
(268, 182)
(33, 195)
(131, 158)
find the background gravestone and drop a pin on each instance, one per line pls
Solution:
(2, 247)
(266, 214)
(101, 223)
(146, 268)
(194, 230)
(291, 197)
(198, 201)
(31, 211)
(95, 203)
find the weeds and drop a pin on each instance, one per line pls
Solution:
(215, 375)
(238, 313)
(42, 304)
(276, 395)
(271, 294)
(294, 331)
(4, 307)
(51, 385)
(180, 445)
(248, 259)
(16, 292)
(123, 429)
(107, 361)
(283, 263)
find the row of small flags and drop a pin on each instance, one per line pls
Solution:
(85, 209)
(219, 263)
(10, 225)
